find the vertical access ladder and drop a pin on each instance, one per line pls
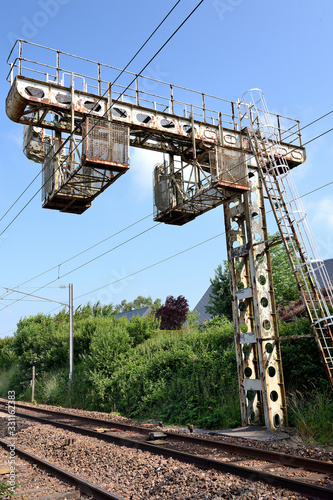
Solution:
(308, 267)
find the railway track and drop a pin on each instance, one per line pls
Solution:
(36, 478)
(279, 469)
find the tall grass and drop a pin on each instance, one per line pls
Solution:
(6, 377)
(312, 415)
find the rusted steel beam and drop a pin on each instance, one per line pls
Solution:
(58, 99)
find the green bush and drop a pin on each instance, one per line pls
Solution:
(7, 381)
(180, 377)
(141, 329)
(41, 342)
(7, 354)
(303, 368)
(312, 415)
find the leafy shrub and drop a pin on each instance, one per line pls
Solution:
(302, 365)
(173, 313)
(312, 415)
(180, 377)
(7, 378)
(141, 329)
(7, 354)
(39, 341)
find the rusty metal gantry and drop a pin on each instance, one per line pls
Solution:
(217, 155)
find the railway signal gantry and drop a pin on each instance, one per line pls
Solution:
(81, 127)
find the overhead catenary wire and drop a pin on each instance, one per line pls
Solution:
(32, 295)
(187, 249)
(122, 71)
(234, 167)
(100, 118)
(222, 233)
(58, 266)
(311, 140)
(149, 215)
(76, 146)
(159, 262)
(86, 263)
(174, 255)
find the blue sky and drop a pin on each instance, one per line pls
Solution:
(225, 48)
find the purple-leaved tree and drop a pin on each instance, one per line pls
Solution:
(173, 313)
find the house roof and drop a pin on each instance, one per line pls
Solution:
(143, 312)
(329, 266)
(203, 302)
(201, 306)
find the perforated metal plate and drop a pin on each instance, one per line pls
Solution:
(105, 144)
(230, 168)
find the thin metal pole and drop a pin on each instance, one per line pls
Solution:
(279, 127)
(203, 108)
(70, 332)
(194, 149)
(72, 124)
(99, 80)
(33, 384)
(299, 133)
(20, 57)
(58, 66)
(110, 101)
(171, 100)
(233, 115)
(137, 90)
(221, 129)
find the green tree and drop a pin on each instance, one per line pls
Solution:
(138, 303)
(219, 303)
(285, 287)
(94, 310)
(7, 354)
(39, 341)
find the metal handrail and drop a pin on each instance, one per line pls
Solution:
(139, 93)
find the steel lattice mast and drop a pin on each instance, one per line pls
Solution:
(81, 127)
(309, 269)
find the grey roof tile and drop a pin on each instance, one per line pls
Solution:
(143, 312)
(200, 307)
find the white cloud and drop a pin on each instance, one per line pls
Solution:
(142, 165)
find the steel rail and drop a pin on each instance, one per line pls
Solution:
(83, 485)
(307, 489)
(285, 459)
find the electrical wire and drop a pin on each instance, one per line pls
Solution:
(175, 255)
(122, 71)
(184, 251)
(161, 261)
(311, 140)
(57, 266)
(116, 101)
(131, 225)
(31, 295)
(99, 118)
(84, 264)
